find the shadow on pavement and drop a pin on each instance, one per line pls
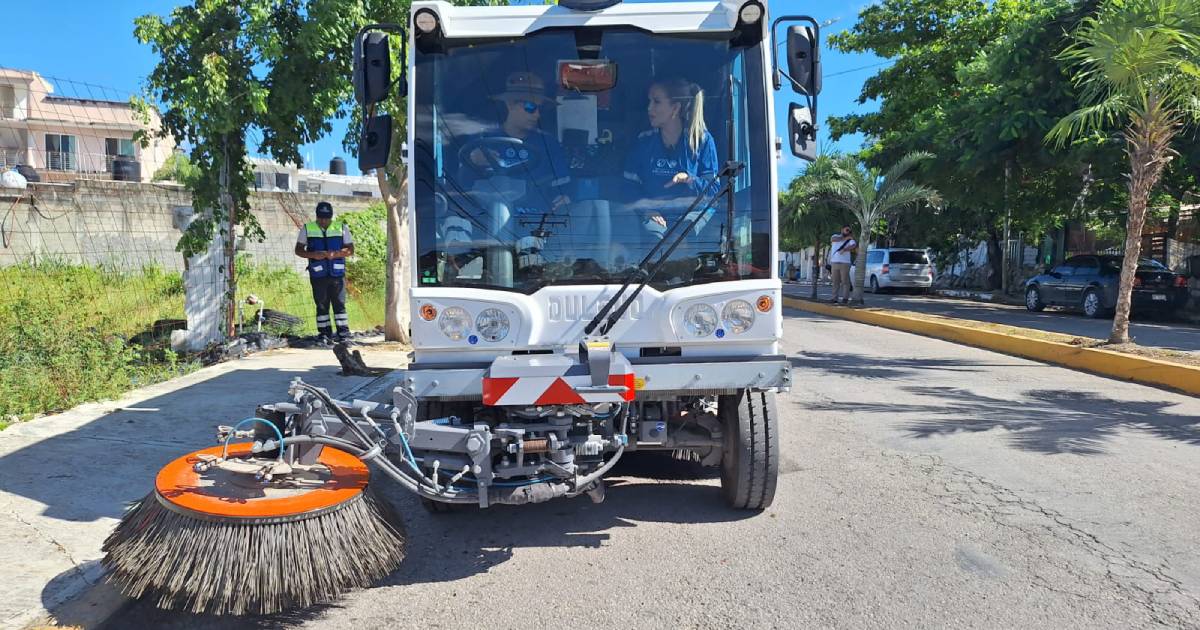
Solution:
(869, 367)
(1039, 421)
(93, 471)
(646, 489)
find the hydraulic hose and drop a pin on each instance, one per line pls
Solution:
(591, 477)
(383, 464)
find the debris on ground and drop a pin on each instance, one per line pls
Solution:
(353, 364)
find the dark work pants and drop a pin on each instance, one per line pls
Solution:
(330, 292)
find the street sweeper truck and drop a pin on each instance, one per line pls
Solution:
(592, 190)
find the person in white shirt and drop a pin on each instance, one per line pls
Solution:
(841, 253)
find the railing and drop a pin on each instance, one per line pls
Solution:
(11, 157)
(61, 160)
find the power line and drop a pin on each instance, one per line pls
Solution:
(874, 65)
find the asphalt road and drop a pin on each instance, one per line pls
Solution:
(925, 484)
(1173, 334)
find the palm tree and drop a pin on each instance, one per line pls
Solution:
(806, 215)
(870, 195)
(1137, 65)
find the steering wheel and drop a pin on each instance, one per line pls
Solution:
(503, 155)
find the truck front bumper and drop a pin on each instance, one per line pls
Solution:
(653, 378)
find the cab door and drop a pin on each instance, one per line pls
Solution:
(1052, 288)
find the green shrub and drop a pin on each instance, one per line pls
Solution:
(366, 271)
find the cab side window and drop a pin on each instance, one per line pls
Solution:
(1087, 266)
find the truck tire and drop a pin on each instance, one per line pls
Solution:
(750, 463)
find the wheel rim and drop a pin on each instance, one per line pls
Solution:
(1031, 298)
(874, 285)
(1091, 304)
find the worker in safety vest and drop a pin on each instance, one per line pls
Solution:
(326, 243)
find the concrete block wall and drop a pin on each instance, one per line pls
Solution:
(129, 224)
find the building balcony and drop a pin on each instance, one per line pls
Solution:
(11, 157)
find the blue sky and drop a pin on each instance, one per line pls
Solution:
(89, 48)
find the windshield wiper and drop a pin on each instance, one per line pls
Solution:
(642, 273)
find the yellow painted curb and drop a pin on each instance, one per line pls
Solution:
(1128, 367)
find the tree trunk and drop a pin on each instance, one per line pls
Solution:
(1148, 143)
(816, 267)
(995, 260)
(396, 315)
(860, 258)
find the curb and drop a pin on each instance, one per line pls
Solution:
(1126, 367)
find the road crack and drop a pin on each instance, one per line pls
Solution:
(1150, 586)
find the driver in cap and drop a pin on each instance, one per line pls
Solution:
(540, 160)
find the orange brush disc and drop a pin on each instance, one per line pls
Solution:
(221, 495)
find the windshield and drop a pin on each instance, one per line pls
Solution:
(908, 257)
(563, 157)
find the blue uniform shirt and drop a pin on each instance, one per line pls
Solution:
(651, 165)
(547, 176)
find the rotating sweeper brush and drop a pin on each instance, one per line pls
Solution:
(259, 528)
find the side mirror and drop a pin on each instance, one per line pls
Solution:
(372, 68)
(375, 143)
(802, 135)
(804, 59)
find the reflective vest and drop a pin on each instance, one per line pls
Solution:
(325, 241)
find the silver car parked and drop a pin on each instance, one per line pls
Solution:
(897, 268)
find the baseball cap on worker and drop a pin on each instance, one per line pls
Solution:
(324, 210)
(524, 86)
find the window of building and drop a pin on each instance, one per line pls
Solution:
(310, 187)
(281, 181)
(61, 152)
(8, 102)
(260, 180)
(362, 193)
(118, 146)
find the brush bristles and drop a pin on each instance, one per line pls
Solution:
(217, 567)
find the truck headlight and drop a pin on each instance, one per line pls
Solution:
(700, 320)
(738, 316)
(454, 323)
(492, 324)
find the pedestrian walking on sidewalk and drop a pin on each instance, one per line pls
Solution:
(841, 251)
(326, 243)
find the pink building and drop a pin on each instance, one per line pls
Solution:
(65, 138)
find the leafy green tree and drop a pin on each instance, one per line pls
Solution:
(870, 194)
(977, 83)
(226, 68)
(1137, 64)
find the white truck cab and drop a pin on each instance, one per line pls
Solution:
(593, 194)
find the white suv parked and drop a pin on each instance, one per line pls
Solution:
(898, 268)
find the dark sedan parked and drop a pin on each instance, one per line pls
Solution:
(1089, 283)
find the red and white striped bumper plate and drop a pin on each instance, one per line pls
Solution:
(553, 380)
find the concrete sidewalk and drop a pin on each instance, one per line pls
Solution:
(66, 479)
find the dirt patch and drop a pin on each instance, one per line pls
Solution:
(1150, 352)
